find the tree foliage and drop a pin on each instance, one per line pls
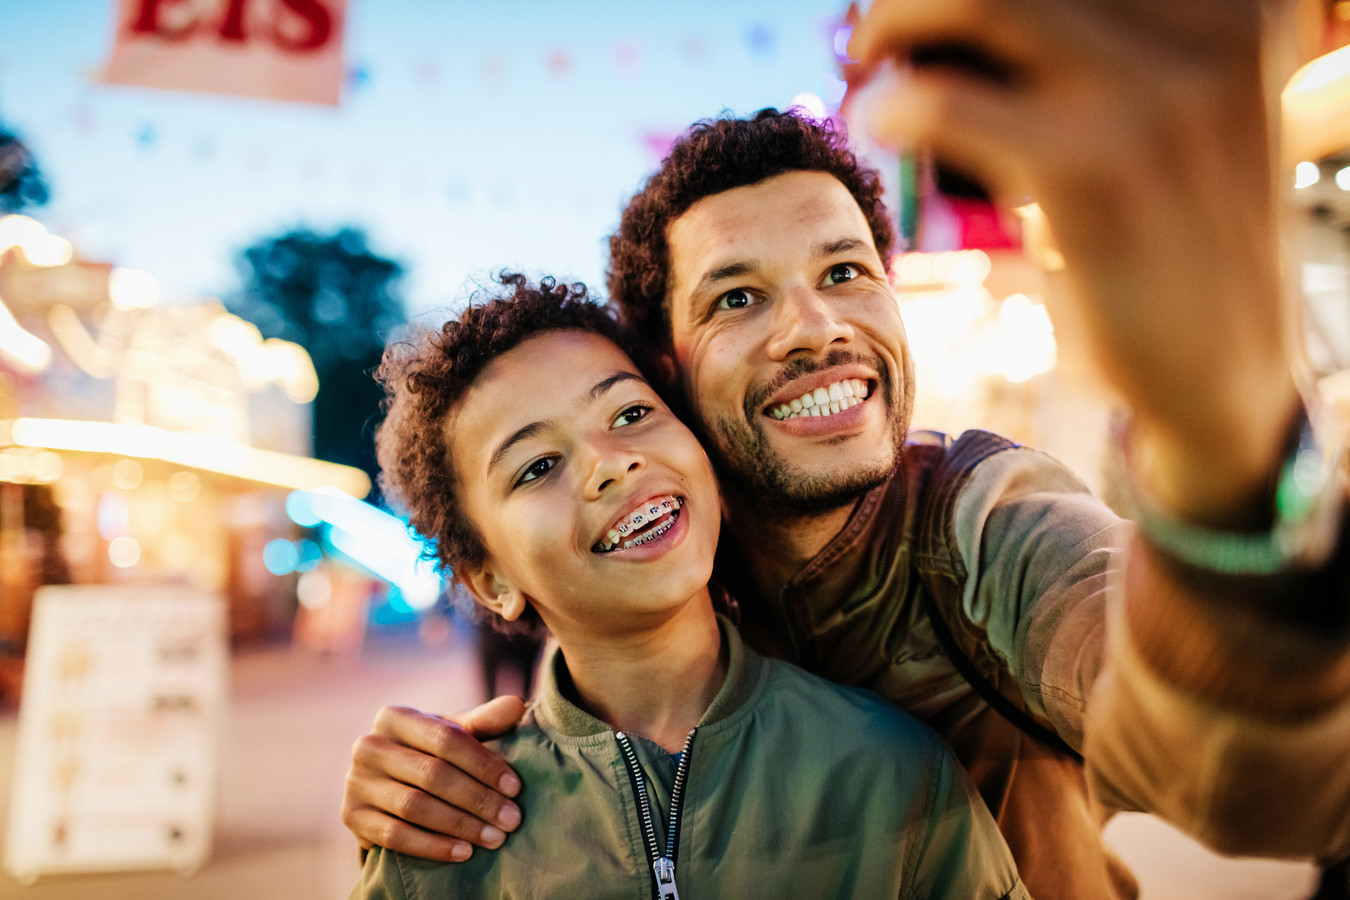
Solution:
(340, 301)
(22, 186)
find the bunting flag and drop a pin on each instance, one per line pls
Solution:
(269, 49)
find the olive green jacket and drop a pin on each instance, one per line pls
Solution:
(797, 788)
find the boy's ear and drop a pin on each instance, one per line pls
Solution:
(493, 591)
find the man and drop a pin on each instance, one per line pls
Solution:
(1202, 666)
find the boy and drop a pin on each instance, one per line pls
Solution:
(661, 754)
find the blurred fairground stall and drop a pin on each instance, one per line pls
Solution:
(1317, 146)
(152, 444)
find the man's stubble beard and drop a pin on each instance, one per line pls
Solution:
(749, 467)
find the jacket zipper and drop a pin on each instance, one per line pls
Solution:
(663, 865)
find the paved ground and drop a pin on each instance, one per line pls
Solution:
(292, 721)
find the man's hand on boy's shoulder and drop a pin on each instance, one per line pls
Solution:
(425, 786)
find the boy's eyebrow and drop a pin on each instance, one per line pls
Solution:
(532, 429)
(605, 384)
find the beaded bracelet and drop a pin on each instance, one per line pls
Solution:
(1309, 499)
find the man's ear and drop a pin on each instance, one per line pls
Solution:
(490, 588)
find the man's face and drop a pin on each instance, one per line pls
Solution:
(594, 502)
(778, 295)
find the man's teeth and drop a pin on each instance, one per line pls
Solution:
(636, 521)
(824, 401)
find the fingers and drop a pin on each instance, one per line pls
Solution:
(893, 29)
(408, 801)
(994, 90)
(430, 793)
(1021, 96)
(492, 719)
(373, 827)
(456, 744)
(968, 123)
(424, 785)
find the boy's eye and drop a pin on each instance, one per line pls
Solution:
(736, 299)
(537, 469)
(635, 413)
(841, 273)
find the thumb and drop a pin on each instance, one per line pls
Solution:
(492, 719)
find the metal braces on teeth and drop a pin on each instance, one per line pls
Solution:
(635, 522)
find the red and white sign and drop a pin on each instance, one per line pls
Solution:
(269, 49)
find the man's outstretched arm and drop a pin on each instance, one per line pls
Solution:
(425, 785)
(1146, 130)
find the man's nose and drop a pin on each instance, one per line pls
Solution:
(805, 321)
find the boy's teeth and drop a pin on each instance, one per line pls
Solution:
(649, 536)
(636, 521)
(823, 401)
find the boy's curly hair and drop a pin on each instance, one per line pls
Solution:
(426, 374)
(714, 156)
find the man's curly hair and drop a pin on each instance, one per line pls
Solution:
(426, 374)
(714, 156)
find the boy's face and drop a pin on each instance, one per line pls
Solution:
(560, 446)
(778, 295)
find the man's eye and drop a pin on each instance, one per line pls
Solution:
(537, 469)
(841, 273)
(737, 299)
(635, 413)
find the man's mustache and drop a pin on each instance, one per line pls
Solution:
(796, 368)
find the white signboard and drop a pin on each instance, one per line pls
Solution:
(119, 731)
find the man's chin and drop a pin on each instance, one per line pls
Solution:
(817, 481)
(809, 495)
(787, 491)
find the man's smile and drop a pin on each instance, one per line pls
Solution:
(838, 397)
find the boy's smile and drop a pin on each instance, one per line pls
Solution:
(587, 491)
(643, 525)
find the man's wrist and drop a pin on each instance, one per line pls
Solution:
(1305, 501)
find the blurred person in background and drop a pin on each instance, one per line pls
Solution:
(511, 655)
(1198, 660)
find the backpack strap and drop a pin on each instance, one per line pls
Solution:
(951, 463)
(990, 694)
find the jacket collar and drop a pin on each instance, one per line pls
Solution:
(557, 713)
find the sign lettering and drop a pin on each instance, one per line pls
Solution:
(271, 49)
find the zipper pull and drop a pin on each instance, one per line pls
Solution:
(665, 878)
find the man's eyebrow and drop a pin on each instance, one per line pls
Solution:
(722, 273)
(843, 245)
(746, 267)
(528, 431)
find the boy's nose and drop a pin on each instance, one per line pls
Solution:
(612, 463)
(632, 467)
